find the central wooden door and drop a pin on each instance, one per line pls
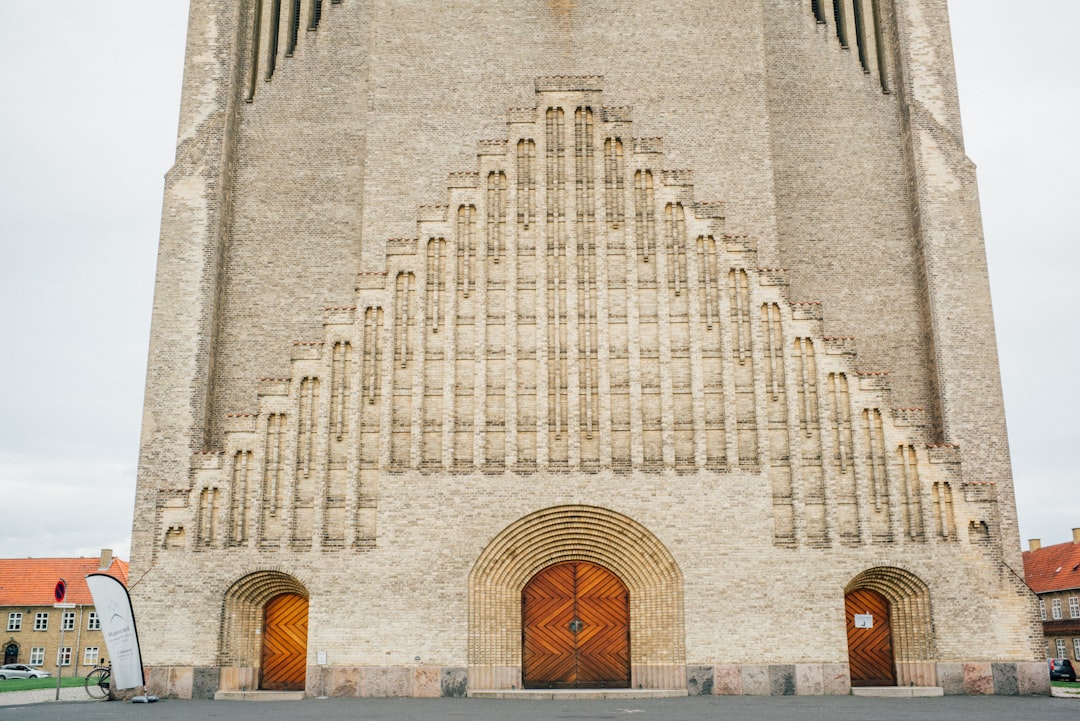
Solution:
(575, 628)
(284, 649)
(869, 631)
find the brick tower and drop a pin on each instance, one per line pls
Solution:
(575, 344)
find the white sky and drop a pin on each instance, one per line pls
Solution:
(90, 95)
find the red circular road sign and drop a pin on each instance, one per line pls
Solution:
(60, 592)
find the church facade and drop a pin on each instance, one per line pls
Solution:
(575, 344)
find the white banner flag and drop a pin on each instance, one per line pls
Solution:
(118, 626)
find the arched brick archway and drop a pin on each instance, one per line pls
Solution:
(576, 533)
(911, 620)
(240, 648)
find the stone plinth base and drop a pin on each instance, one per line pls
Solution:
(798, 679)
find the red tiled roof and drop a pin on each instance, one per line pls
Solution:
(1053, 568)
(30, 581)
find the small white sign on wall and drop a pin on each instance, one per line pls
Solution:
(864, 620)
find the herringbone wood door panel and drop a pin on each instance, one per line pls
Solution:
(870, 649)
(576, 624)
(549, 650)
(284, 656)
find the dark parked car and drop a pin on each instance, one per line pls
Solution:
(18, 670)
(1061, 669)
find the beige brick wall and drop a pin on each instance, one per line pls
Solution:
(366, 365)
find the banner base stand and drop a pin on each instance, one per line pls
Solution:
(145, 698)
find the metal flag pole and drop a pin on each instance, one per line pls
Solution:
(60, 658)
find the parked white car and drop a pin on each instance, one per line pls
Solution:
(18, 670)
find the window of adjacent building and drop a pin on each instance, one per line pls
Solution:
(1060, 648)
(63, 656)
(1074, 607)
(93, 622)
(37, 656)
(1076, 648)
(67, 623)
(90, 656)
(1049, 653)
(14, 622)
(41, 621)
(1055, 609)
(1042, 610)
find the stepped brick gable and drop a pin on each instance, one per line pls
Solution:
(644, 332)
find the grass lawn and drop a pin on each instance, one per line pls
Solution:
(1066, 684)
(29, 684)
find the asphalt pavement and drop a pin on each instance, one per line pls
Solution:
(698, 708)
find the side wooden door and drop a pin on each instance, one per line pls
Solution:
(575, 628)
(284, 649)
(870, 652)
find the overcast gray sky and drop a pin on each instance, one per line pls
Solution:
(90, 96)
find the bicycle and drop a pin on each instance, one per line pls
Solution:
(99, 682)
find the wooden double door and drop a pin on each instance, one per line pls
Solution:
(869, 631)
(284, 647)
(575, 628)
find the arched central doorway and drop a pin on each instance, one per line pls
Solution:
(576, 534)
(284, 647)
(869, 631)
(575, 628)
(11, 653)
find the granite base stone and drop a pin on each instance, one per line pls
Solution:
(755, 680)
(342, 682)
(454, 682)
(727, 681)
(699, 680)
(782, 680)
(978, 679)
(809, 680)
(1033, 679)
(205, 682)
(836, 679)
(1005, 676)
(951, 678)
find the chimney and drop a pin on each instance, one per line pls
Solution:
(1076, 535)
(106, 559)
(1034, 544)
